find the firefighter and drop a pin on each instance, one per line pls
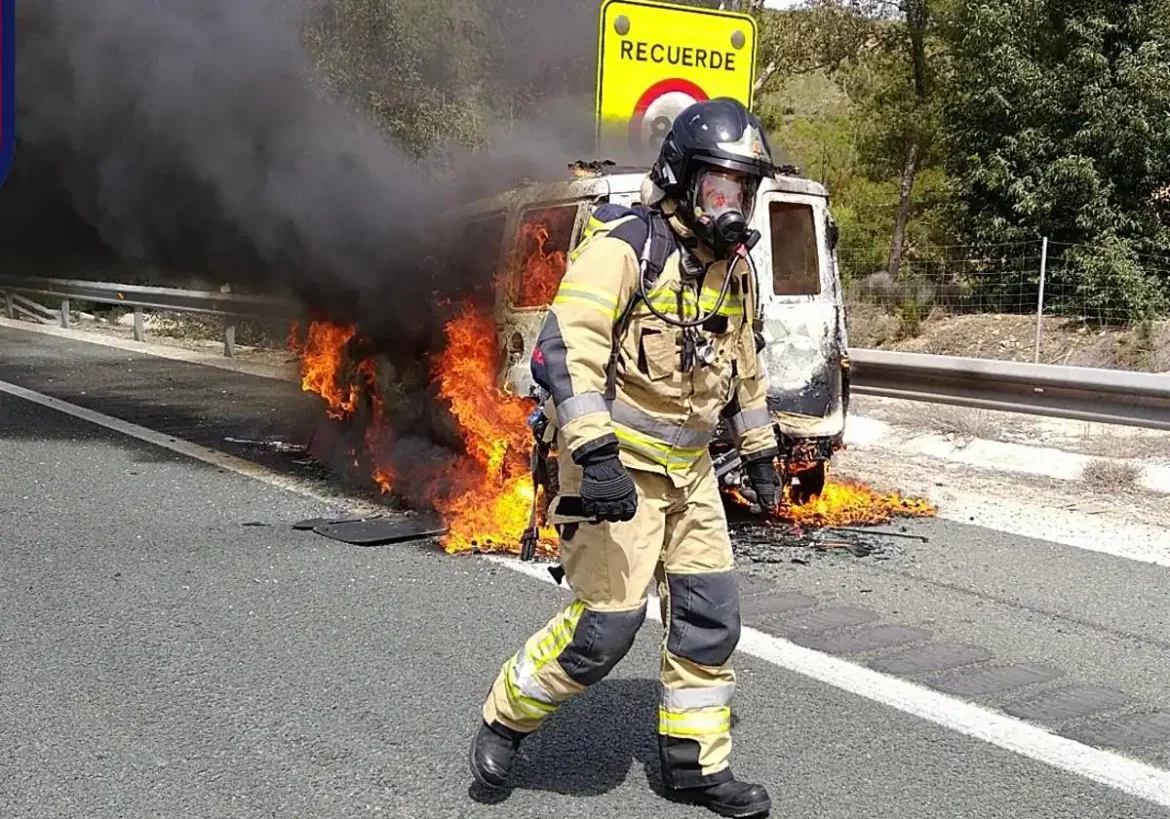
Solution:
(649, 344)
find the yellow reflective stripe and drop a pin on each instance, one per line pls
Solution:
(534, 707)
(559, 636)
(581, 301)
(595, 228)
(684, 724)
(660, 453)
(732, 305)
(586, 295)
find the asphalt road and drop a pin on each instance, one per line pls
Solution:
(169, 646)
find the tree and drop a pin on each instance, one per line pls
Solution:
(1055, 124)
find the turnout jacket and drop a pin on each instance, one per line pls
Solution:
(662, 417)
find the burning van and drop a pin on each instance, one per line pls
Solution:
(523, 238)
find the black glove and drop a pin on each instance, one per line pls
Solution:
(607, 490)
(765, 481)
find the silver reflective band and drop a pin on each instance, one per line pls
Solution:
(667, 433)
(750, 419)
(683, 699)
(528, 684)
(580, 405)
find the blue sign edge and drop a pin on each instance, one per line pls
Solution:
(7, 86)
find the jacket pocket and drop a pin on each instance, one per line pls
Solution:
(657, 354)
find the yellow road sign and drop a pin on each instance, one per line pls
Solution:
(654, 59)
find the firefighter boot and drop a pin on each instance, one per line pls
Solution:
(492, 751)
(728, 798)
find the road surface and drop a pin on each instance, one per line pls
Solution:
(170, 646)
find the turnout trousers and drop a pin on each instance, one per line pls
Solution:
(678, 538)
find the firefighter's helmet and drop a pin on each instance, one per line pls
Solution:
(711, 163)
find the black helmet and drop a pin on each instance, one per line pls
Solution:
(714, 134)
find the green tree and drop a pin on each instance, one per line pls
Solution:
(1055, 123)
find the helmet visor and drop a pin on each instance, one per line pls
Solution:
(720, 191)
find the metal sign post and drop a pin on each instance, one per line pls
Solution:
(654, 59)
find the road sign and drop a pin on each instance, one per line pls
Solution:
(7, 85)
(654, 59)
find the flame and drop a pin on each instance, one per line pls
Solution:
(322, 354)
(490, 502)
(843, 503)
(542, 270)
(486, 497)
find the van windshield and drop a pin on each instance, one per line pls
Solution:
(541, 255)
(796, 265)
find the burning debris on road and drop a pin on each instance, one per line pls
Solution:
(480, 484)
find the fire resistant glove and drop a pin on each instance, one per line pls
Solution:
(607, 490)
(765, 481)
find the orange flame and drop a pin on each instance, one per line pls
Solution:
(322, 354)
(490, 503)
(843, 503)
(542, 270)
(846, 503)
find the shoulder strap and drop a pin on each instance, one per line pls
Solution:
(659, 245)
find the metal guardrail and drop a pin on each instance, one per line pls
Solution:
(140, 297)
(1082, 393)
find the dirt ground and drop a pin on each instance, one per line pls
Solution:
(1013, 338)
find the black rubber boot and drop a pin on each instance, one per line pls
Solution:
(491, 755)
(730, 798)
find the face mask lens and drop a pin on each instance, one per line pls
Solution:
(721, 192)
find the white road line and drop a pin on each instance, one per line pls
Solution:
(1127, 775)
(217, 459)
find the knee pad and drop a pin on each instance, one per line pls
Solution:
(704, 617)
(600, 640)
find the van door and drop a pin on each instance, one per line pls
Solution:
(799, 296)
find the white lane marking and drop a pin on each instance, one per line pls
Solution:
(217, 459)
(1140, 542)
(1105, 767)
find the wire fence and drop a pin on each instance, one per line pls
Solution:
(1037, 300)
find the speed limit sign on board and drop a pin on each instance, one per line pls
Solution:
(655, 59)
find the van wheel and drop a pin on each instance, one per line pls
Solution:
(807, 483)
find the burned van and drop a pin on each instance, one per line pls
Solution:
(528, 233)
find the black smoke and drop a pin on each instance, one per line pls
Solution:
(197, 141)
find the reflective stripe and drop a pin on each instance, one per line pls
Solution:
(597, 298)
(528, 684)
(694, 723)
(681, 699)
(660, 431)
(659, 453)
(520, 675)
(580, 405)
(594, 227)
(732, 304)
(747, 420)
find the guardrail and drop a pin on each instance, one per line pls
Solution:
(1081, 393)
(140, 297)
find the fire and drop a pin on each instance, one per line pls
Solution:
(486, 497)
(542, 270)
(491, 500)
(322, 354)
(844, 503)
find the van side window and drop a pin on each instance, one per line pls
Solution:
(475, 255)
(542, 251)
(796, 267)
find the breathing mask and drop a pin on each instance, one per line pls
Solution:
(721, 205)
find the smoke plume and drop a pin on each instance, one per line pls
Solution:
(196, 137)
